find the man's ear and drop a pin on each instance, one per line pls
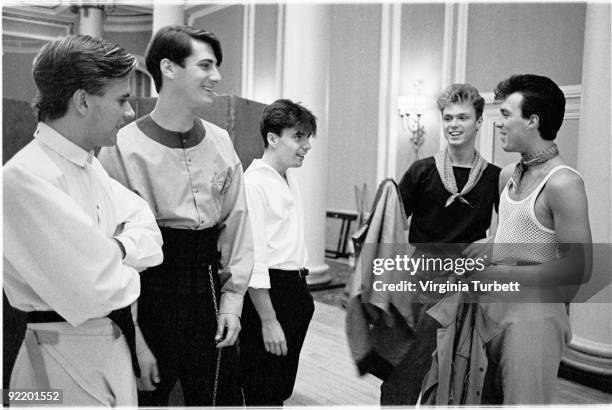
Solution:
(79, 101)
(533, 122)
(167, 68)
(272, 139)
(478, 123)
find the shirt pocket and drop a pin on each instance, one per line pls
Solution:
(217, 191)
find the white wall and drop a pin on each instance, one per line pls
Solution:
(422, 39)
(542, 38)
(353, 100)
(227, 25)
(265, 76)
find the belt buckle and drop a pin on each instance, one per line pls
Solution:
(303, 272)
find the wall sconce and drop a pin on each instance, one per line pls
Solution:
(410, 110)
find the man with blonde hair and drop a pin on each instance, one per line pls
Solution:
(451, 197)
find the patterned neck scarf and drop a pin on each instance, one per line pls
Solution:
(529, 160)
(445, 169)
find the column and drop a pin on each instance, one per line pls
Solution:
(166, 15)
(305, 77)
(591, 346)
(91, 21)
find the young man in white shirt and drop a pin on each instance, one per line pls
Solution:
(278, 307)
(75, 239)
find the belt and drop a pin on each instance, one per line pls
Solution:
(302, 272)
(195, 246)
(121, 317)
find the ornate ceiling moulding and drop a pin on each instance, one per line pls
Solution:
(27, 27)
(128, 23)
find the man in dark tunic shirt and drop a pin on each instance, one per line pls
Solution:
(424, 195)
(450, 196)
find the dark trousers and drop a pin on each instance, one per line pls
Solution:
(268, 379)
(177, 317)
(403, 385)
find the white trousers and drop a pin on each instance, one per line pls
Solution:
(90, 363)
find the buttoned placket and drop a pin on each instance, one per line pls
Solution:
(194, 189)
(88, 168)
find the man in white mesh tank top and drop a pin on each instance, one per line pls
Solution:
(543, 241)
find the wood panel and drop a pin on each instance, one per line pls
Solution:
(245, 116)
(18, 126)
(239, 116)
(327, 374)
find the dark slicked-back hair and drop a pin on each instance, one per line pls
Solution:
(541, 96)
(283, 114)
(174, 43)
(75, 62)
(462, 94)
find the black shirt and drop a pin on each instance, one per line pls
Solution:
(424, 198)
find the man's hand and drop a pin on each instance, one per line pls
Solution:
(482, 249)
(483, 277)
(230, 322)
(274, 337)
(149, 373)
(490, 275)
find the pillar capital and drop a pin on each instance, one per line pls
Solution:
(91, 20)
(167, 14)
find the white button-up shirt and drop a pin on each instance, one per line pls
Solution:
(277, 220)
(62, 214)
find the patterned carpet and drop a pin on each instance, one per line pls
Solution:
(341, 274)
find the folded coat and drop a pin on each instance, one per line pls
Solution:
(380, 323)
(459, 364)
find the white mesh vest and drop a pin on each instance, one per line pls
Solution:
(520, 236)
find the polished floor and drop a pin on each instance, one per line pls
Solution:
(327, 375)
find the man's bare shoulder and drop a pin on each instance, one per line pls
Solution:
(565, 196)
(565, 179)
(565, 187)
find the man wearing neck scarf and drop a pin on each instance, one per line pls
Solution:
(543, 242)
(451, 197)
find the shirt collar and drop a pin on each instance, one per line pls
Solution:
(172, 139)
(259, 163)
(62, 145)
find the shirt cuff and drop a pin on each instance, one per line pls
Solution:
(260, 280)
(231, 303)
(130, 249)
